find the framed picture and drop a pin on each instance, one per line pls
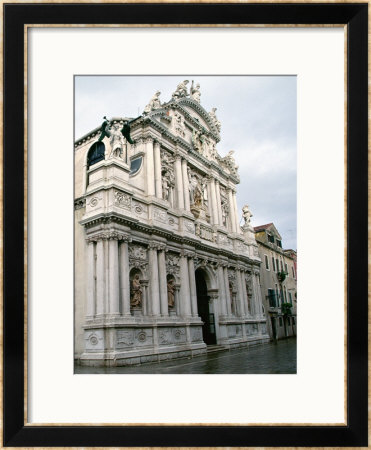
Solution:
(48, 402)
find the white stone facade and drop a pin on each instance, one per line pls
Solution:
(162, 267)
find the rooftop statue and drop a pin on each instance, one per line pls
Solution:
(153, 104)
(181, 90)
(104, 129)
(246, 214)
(195, 92)
(229, 162)
(214, 119)
(126, 131)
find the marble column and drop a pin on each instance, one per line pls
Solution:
(222, 295)
(90, 280)
(157, 162)
(154, 284)
(185, 185)
(232, 211)
(192, 285)
(218, 202)
(214, 211)
(185, 295)
(179, 182)
(150, 168)
(162, 282)
(236, 212)
(227, 292)
(124, 278)
(114, 299)
(101, 288)
(145, 299)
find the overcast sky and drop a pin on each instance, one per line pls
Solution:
(258, 117)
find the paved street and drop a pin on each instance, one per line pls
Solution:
(271, 358)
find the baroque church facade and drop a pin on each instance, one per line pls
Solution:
(162, 267)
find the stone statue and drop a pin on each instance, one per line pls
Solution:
(179, 124)
(153, 104)
(165, 185)
(225, 210)
(181, 90)
(136, 292)
(195, 92)
(195, 192)
(246, 214)
(171, 293)
(214, 119)
(116, 142)
(196, 141)
(230, 162)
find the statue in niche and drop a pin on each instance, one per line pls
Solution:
(196, 141)
(165, 185)
(204, 191)
(179, 124)
(171, 293)
(195, 92)
(214, 119)
(181, 90)
(153, 104)
(246, 214)
(225, 210)
(117, 146)
(136, 292)
(195, 192)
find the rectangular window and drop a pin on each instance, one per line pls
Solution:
(288, 321)
(280, 319)
(272, 298)
(266, 262)
(273, 265)
(281, 266)
(270, 238)
(290, 297)
(277, 266)
(277, 297)
(286, 269)
(293, 320)
(285, 292)
(279, 243)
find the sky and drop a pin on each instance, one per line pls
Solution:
(258, 121)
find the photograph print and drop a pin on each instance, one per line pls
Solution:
(185, 224)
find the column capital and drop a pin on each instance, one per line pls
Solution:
(148, 139)
(188, 253)
(156, 143)
(157, 246)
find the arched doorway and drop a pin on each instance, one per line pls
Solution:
(208, 318)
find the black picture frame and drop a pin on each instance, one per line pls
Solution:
(15, 432)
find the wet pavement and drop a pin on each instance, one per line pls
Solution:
(272, 358)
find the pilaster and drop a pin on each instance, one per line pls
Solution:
(162, 281)
(124, 278)
(185, 185)
(157, 162)
(114, 304)
(150, 168)
(218, 202)
(184, 288)
(154, 284)
(90, 279)
(179, 182)
(192, 285)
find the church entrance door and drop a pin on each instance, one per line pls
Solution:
(208, 328)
